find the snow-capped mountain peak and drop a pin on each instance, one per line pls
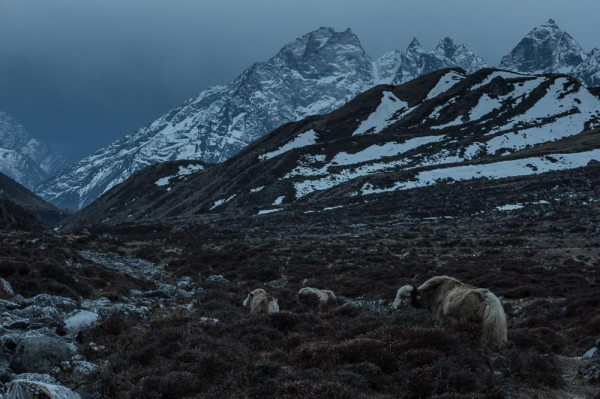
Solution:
(313, 44)
(549, 49)
(588, 71)
(23, 157)
(415, 46)
(446, 47)
(545, 49)
(415, 61)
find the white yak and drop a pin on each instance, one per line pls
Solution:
(258, 301)
(447, 297)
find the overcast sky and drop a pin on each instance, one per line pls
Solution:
(83, 73)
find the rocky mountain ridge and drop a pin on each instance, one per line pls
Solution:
(24, 158)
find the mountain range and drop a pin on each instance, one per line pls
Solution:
(24, 158)
(444, 127)
(312, 75)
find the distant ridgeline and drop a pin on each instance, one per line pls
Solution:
(446, 126)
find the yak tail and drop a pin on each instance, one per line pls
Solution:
(273, 307)
(494, 321)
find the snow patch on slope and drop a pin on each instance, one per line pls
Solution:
(222, 201)
(358, 165)
(183, 171)
(302, 140)
(445, 83)
(381, 118)
(496, 170)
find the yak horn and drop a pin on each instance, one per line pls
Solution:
(414, 281)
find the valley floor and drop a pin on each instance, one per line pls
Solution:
(198, 341)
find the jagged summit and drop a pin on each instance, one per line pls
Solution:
(414, 44)
(322, 39)
(549, 49)
(545, 49)
(446, 47)
(415, 61)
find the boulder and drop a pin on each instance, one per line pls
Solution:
(217, 278)
(8, 305)
(80, 320)
(89, 304)
(6, 291)
(60, 303)
(185, 283)
(5, 371)
(24, 389)
(141, 313)
(41, 316)
(45, 378)
(591, 372)
(13, 322)
(39, 354)
(79, 367)
(590, 354)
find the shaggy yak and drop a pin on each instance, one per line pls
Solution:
(447, 297)
(323, 295)
(260, 302)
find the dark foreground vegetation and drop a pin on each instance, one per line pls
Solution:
(544, 266)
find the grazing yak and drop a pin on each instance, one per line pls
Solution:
(324, 296)
(447, 297)
(260, 302)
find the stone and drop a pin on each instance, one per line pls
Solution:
(13, 322)
(6, 290)
(8, 305)
(217, 278)
(80, 320)
(53, 301)
(591, 372)
(45, 378)
(94, 304)
(79, 367)
(24, 389)
(141, 313)
(590, 354)
(39, 354)
(185, 283)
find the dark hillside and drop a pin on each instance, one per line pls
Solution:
(47, 214)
